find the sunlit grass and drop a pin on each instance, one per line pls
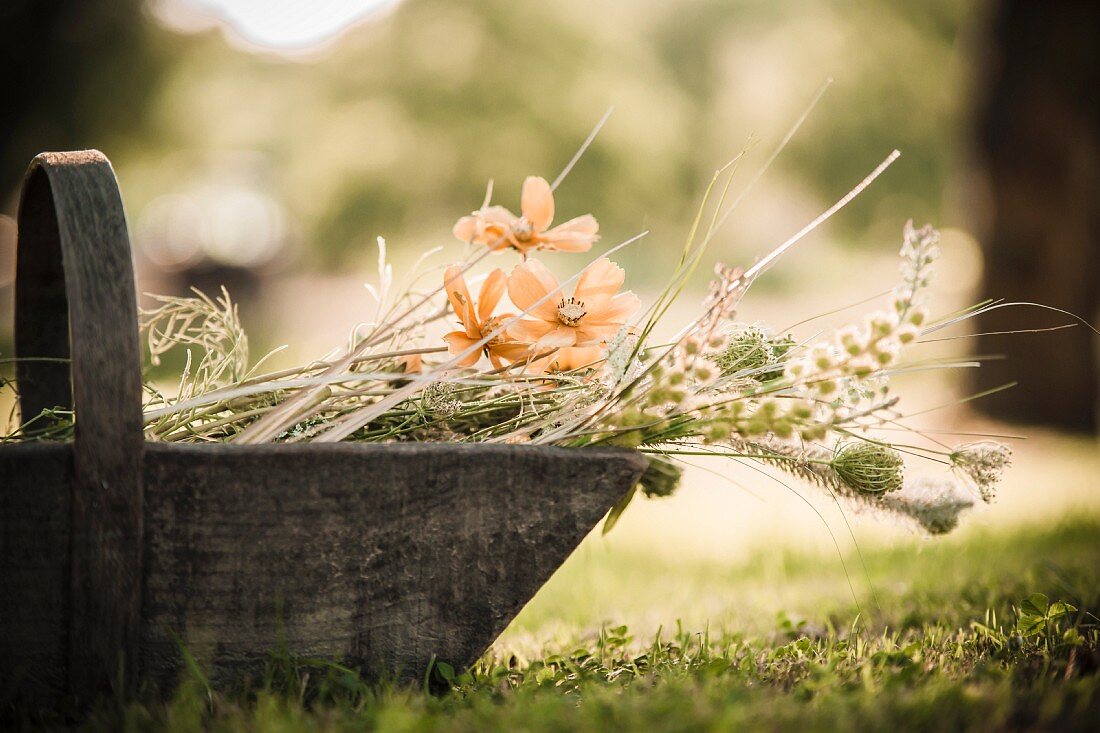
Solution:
(953, 639)
(949, 580)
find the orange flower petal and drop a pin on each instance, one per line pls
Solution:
(411, 363)
(498, 216)
(530, 331)
(577, 357)
(466, 228)
(540, 365)
(575, 235)
(537, 203)
(591, 334)
(556, 339)
(457, 343)
(489, 225)
(489, 296)
(459, 295)
(525, 248)
(599, 281)
(529, 282)
(617, 310)
(511, 350)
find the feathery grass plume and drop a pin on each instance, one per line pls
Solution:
(919, 250)
(209, 332)
(807, 462)
(210, 327)
(932, 505)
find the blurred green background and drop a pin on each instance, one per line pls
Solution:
(265, 145)
(245, 148)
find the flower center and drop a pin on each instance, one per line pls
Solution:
(570, 312)
(522, 231)
(492, 325)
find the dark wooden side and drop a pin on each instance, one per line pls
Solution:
(75, 298)
(34, 573)
(381, 556)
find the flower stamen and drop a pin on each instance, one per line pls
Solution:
(493, 324)
(571, 311)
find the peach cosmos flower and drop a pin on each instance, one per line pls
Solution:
(498, 228)
(595, 312)
(477, 320)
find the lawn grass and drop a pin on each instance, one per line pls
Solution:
(953, 638)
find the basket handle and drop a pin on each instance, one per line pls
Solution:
(74, 298)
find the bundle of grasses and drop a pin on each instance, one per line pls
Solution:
(574, 363)
(401, 499)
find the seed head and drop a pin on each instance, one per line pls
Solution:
(869, 467)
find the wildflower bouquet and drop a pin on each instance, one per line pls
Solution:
(521, 356)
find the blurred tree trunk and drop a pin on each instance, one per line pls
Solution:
(1039, 139)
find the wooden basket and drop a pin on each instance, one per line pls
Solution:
(379, 556)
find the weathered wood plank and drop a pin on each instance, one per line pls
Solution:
(377, 555)
(34, 568)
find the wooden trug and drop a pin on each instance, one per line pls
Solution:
(379, 556)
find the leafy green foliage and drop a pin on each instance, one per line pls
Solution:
(1039, 616)
(524, 81)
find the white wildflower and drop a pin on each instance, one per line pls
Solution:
(823, 356)
(622, 364)
(907, 333)
(919, 249)
(882, 324)
(438, 399)
(852, 340)
(917, 316)
(982, 463)
(886, 351)
(796, 369)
